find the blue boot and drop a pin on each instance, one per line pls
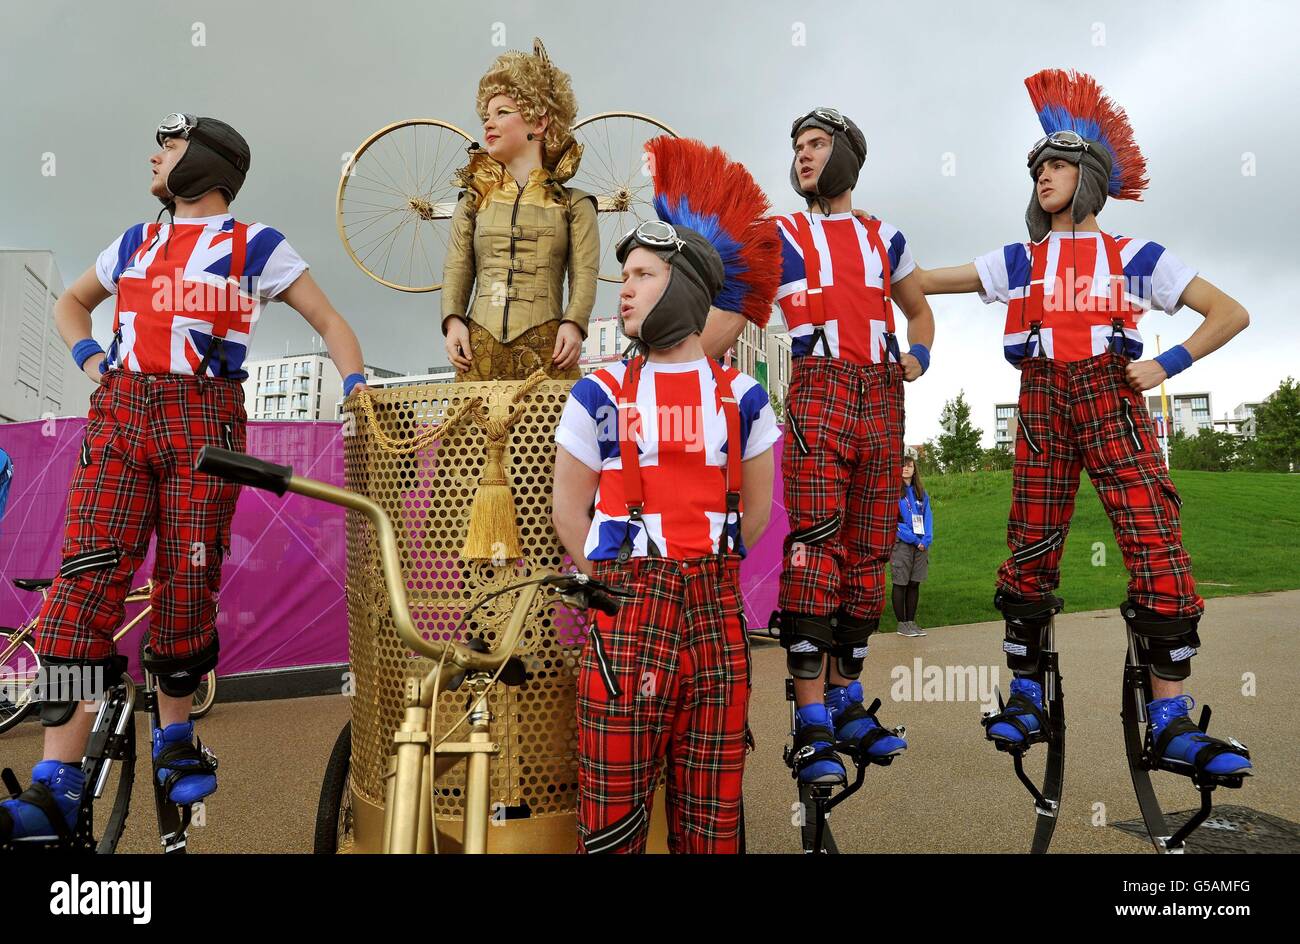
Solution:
(25, 818)
(814, 758)
(173, 753)
(853, 723)
(1026, 696)
(1176, 738)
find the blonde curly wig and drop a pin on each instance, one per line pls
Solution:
(539, 88)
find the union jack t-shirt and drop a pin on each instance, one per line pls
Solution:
(169, 287)
(851, 281)
(683, 454)
(1153, 278)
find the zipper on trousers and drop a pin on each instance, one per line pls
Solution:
(1132, 425)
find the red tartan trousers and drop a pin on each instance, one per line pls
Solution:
(841, 470)
(666, 680)
(134, 479)
(1084, 415)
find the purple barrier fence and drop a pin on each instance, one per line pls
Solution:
(282, 599)
(282, 595)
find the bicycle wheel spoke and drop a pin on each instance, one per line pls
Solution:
(424, 251)
(406, 167)
(352, 187)
(380, 206)
(435, 168)
(383, 168)
(356, 172)
(609, 165)
(373, 242)
(393, 242)
(415, 140)
(353, 235)
(442, 182)
(410, 256)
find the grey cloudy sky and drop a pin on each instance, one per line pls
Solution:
(1207, 86)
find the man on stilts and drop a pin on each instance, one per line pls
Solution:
(840, 277)
(1074, 295)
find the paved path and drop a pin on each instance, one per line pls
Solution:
(951, 793)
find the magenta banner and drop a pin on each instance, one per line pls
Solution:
(760, 574)
(282, 597)
(282, 594)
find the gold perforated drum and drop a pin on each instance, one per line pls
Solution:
(427, 492)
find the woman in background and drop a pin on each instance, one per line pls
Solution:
(910, 561)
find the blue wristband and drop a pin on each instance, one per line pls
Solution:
(922, 355)
(84, 350)
(350, 381)
(1175, 360)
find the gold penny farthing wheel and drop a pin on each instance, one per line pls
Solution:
(614, 169)
(395, 201)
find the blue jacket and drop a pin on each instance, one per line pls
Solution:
(908, 506)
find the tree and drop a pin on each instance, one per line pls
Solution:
(1210, 450)
(996, 459)
(1277, 430)
(1247, 456)
(927, 461)
(777, 407)
(959, 443)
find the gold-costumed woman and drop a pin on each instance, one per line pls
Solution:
(518, 234)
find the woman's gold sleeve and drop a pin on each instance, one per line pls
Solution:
(583, 263)
(458, 270)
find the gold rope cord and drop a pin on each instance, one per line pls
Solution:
(498, 427)
(426, 435)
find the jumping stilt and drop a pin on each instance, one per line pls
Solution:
(1144, 757)
(816, 800)
(1050, 729)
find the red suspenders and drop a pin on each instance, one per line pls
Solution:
(812, 264)
(238, 252)
(1036, 292)
(150, 234)
(238, 255)
(1118, 303)
(632, 492)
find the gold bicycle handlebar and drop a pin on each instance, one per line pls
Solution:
(247, 470)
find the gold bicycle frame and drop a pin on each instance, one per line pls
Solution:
(408, 814)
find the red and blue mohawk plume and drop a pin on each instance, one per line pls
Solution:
(1073, 101)
(698, 186)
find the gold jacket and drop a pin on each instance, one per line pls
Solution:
(517, 246)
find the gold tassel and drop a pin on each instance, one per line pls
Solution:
(493, 532)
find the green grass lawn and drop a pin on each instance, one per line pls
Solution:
(1242, 530)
